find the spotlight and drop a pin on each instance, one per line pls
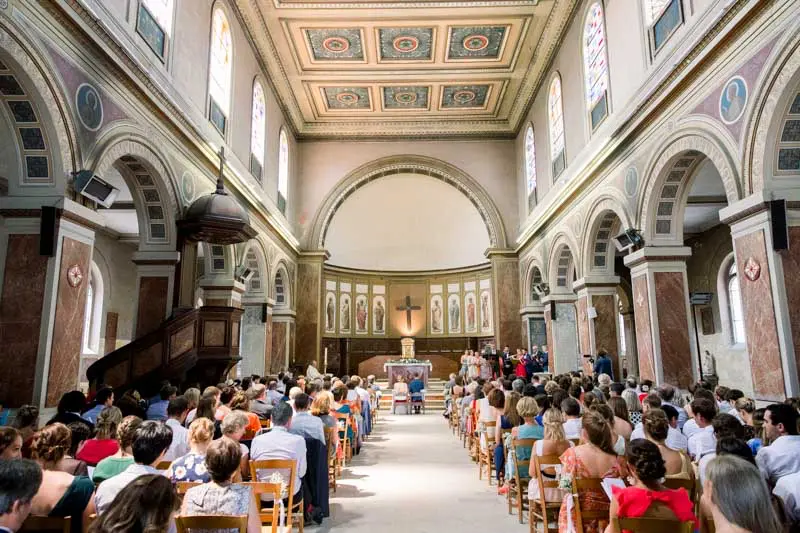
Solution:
(541, 289)
(93, 187)
(243, 274)
(627, 240)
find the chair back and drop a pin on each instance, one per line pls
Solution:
(182, 486)
(163, 465)
(546, 464)
(653, 525)
(47, 523)
(265, 424)
(276, 471)
(209, 521)
(490, 431)
(522, 464)
(273, 491)
(576, 442)
(690, 485)
(580, 486)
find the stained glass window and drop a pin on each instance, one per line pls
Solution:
(219, 86)
(258, 129)
(595, 64)
(735, 303)
(162, 11)
(530, 161)
(556, 115)
(283, 171)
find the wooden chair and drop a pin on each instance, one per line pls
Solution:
(401, 398)
(249, 434)
(265, 424)
(486, 456)
(343, 421)
(580, 485)
(540, 510)
(275, 465)
(182, 486)
(412, 403)
(210, 521)
(654, 525)
(47, 523)
(517, 493)
(576, 442)
(163, 465)
(329, 432)
(690, 485)
(269, 517)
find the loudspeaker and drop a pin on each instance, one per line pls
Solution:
(263, 313)
(780, 229)
(47, 231)
(552, 310)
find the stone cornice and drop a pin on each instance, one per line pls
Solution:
(406, 275)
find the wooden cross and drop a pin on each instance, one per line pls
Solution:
(408, 308)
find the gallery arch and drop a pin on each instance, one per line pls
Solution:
(561, 315)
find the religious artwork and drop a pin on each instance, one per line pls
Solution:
(405, 44)
(361, 314)
(378, 315)
(330, 313)
(89, 106)
(470, 313)
(153, 34)
(631, 182)
(347, 97)
(187, 187)
(437, 314)
(471, 42)
(752, 269)
(411, 97)
(733, 100)
(595, 64)
(486, 312)
(338, 44)
(74, 275)
(464, 96)
(454, 313)
(344, 313)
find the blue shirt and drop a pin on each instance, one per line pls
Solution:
(416, 386)
(603, 366)
(91, 414)
(158, 410)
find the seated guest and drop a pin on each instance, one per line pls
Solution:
(304, 423)
(606, 412)
(691, 427)
(69, 409)
(104, 398)
(782, 456)
(259, 403)
(234, 426)
(667, 394)
(19, 483)
(647, 497)
(321, 408)
(735, 446)
(788, 490)
(633, 404)
(225, 398)
(415, 388)
(221, 496)
(758, 439)
(529, 429)
(131, 405)
(725, 425)
(400, 386)
(594, 459)
(61, 493)
(279, 443)
(26, 422)
(240, 403)
(147, 504)
(509, 419)
(158, 409)
(192, 396)
(703, 441)
(10, 443)
(553, 443)
(572, 418)
(720, 394)
(737, 497)
(192, 467)
(149, 447)
(209, 392)
(104, 444)
(123, 458)
(177, 410)
(206, 409)
(274, 396)
(656, 430)
(622, 424)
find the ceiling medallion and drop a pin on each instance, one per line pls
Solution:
(336, 45)
(405, 97)
(752, 269)
(347, 98)
(464, 97)
(405, 44)
(475, 43)
(74, 275)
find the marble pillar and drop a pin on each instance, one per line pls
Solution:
(505, 289)
(598, 318)
(254, 339)
(268, 337)
(308, 324)
(280, 351)
(631, 353)
(155, 273)
(565, 353)
(664, 330)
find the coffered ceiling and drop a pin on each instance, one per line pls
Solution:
(398, 68)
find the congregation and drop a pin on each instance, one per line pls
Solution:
(262, 450)
(585, 453)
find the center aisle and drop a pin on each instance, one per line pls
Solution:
(413, 475)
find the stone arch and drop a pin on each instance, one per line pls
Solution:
(535, 274)
(773, 94)
(606, 217)
(408, 164)
(218, 260)
(669, 176)
(20, 56)
(563, 264)
(151, 182)
(253, 257)
(283, 298)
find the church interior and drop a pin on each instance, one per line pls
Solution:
(202, 192)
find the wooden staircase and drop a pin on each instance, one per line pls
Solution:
(434, 395)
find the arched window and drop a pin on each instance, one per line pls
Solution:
(595, 65)
(555, 107)
(280, 290)
(530, 166)
(536, 278)
(662, 18)
(735, 305)
(220, 67)
(154, 24)
(283, 171)
(93, 311)
(257, 131)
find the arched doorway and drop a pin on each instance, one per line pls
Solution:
(561, 314)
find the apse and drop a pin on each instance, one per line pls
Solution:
(407, 222)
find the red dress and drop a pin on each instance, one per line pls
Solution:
(95, 450)
(633, 502)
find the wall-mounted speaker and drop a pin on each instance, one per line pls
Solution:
(552, 310)
(780, 229)
(47, 231)
(263, 313)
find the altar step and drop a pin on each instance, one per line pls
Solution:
(434, 395)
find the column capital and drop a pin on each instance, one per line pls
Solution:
(650, 254)
(561, 298)
(500, 253)
(588, 282)
(309, 256)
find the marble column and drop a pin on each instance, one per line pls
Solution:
(598, 329)
(308, 323)
(505, 292)
(664, 331)
(254, 338)
(280, 346)
(631, 354)
(769, 282)
(565, 353)
(155, 278)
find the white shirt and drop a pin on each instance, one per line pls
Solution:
(702, 443)
(682, 416)
(703, 464)
(788, 489)
(312, 372)
(278, 443)
(180, 441)
(780, 458)
(109, 488)
(572, 428)
(690, 428)
(675, 439)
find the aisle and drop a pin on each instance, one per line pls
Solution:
(413, 476)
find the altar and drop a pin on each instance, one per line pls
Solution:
(408, 369)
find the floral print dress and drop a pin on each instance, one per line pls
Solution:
(190, 467)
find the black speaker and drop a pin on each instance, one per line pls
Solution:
(780, 229)
(47, 231)
(263, 313)
(552, 310)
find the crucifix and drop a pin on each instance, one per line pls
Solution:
(408, 308)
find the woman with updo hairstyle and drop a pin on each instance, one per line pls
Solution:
(656, 427)
(595, 458)
(104, 444)
(744, 410)
(622, 421)
(117, 463)
(51, 447)
(192, 466)
(647, 496)
(554, 443)
(26, 422)
(606, 412)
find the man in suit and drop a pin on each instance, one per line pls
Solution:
(19, 482)
(505, 361)
(603, 364)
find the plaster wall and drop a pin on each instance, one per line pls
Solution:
(114, 259)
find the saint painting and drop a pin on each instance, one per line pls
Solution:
(732, 100)
(330, 313)
(470, 310)
(486, 312)
(361, 314)
(378, 315)
(437, 314)
(344, 310)
(454, 313)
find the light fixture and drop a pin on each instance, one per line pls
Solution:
(541, 289)
(93, 187)
(243, 274)
(628, 239)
